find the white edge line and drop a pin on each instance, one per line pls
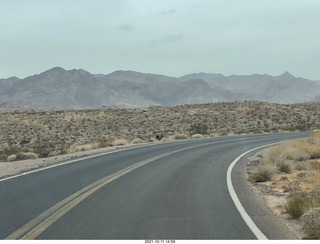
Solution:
(252, 226)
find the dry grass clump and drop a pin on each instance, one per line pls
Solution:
(8, 152)
(180, 137)
(262, 173)
(15, 154)
(301, 161)
(304, 196)
(119, 142)
(296, 154)
(84, 147)
(298, 161)
(136, 141)
(197, 136)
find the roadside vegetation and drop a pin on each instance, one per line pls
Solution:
(295, 167)
(29, 134)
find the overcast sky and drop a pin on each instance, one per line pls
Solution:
(169, 37)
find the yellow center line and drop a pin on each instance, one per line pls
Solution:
(35, 227)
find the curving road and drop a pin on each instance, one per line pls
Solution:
(172, 190)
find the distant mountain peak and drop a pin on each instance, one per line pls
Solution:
(55, 70)
(286, 75)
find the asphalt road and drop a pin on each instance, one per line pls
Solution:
(165, 191)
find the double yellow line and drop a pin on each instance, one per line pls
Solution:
(35, 227)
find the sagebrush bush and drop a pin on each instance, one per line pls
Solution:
(198, 128)
(180, 137)
(197, 136)
(284, 166)
(297, 205)
(26, 155)
(299, 155)
(119, 142)
(43, 147)
(301, 165)
(275, 154)
(311, 223)
(84, 147)
(5, 153)
(262, 173)
(11, 158)
(314, 193)
(136, 141)
(101, 141)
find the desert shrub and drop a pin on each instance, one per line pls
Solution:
(313, 150)
(314, 193)
(167, 139)
(297, 205)
(11, 158)
(5, 153)
(180, 137)
(302, 165)
(315, 165)
(276, 154)
(84, 147)
(101, 142)
(198, 128)
(119, 142)
(195, 136)
(136, 141)
(42, 147)
(284, 166)
(299, 155)
(314, 139)
(262, 173)
(311, 223)
(295, 187)
(26, 155)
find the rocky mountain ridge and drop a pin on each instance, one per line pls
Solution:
(58, 88)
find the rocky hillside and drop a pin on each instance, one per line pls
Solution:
(54, 132)
(78, 89)
(316, 99)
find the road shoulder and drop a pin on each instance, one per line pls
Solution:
(271, 225)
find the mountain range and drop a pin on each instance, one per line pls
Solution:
(58, 88)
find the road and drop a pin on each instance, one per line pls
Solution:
(172, 190)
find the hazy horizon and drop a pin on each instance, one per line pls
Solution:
(155, 73)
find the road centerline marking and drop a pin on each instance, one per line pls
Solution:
(39, 224)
